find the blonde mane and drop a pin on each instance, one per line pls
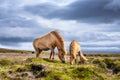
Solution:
(59, 37)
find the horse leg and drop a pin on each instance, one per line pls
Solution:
(53, 53)
(72, 59)
(38, 52)
(80, 56)
(50, 54)
(76, 60)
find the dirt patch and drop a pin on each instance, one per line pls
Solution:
(24, 56)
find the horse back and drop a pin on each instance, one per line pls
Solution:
(44, 42)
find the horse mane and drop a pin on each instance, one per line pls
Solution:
(59, 37)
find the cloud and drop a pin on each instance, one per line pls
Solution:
(114, 5)
(106, 43)
(95, 41)
(18, 27)
(85, 11)
(101, 49)
(15, 35)
(91, 36)
(14, 39)
(95, 24)
(20, 46)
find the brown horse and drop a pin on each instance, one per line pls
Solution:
(49, 42)
(74, 51)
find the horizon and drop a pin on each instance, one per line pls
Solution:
(93, 23)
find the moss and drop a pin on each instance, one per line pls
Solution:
(57, 75)
(4, 62)
(85, 74)
(35, 60)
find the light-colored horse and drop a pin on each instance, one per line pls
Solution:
(74, 51)
(49, 42)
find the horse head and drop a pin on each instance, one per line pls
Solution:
(72, 57)
(61, 55)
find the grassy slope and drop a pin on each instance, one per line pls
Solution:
(38, 68)
(3, 50)
(99, 68)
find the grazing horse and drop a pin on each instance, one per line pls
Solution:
(49, 42)
(74, 51)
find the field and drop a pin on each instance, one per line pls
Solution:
(22, 65)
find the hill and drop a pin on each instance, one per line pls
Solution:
(4, 50)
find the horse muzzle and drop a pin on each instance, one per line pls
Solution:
(63, 61)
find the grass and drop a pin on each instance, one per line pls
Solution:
(38, 68)
(98, 67)
(5, 62)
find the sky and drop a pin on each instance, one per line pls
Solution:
(93, 23)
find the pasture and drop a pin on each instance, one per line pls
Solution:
(22, 65)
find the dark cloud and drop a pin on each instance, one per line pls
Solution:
(42, 9)
(91, 11)
(17, 22)
(18, 36)
(16, 29)
(10, 18)
(14, 41)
